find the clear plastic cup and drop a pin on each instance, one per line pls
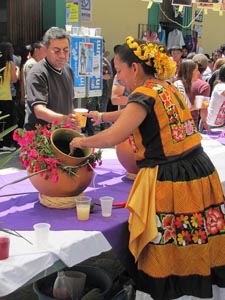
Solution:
(83, 205)
(81, 118)
(41, 234)
(106, 205)
(198, 101)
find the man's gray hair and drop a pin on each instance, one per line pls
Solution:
(54, 33)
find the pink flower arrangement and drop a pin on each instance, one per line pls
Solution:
(37, 155)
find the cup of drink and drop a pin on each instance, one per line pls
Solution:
(41, 234)
(205, 102)
(79, 112)
(4, 247)
(83, 205)
(198, 101)
(106, 205)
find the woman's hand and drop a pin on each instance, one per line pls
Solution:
(95, 116)
(75, 143)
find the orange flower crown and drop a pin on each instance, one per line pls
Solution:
(155, 56)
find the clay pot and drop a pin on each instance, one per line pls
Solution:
(60, 140)
(66, 185)
(127, 157)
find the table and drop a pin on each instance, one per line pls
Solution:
(98, 234)
(22, 211)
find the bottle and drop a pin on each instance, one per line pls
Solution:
(60, 287)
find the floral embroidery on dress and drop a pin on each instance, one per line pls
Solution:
(196, 228)
(179, 130)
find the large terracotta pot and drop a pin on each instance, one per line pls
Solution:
(60, 140)
(127, 157)
(67, 185)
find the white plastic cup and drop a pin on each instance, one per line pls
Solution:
(106, 205)
(83, 205)
(81, 118)
(41, 234)
(198, 101)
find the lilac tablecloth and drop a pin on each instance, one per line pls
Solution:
(216, 134)
(21, 212)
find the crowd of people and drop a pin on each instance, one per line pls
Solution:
(176, 203)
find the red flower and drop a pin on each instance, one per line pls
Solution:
(37, 155)
(214, 221)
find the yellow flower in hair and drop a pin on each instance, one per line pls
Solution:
(153, 55)
(131, 43)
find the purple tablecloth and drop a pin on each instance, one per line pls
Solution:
(21, 212)
(216, 134)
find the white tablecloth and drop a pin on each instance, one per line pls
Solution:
(216, 152)
(26, 261)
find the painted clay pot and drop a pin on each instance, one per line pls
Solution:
(126, 157)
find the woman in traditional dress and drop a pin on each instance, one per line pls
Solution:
(176, 223)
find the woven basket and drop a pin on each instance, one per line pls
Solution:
(58, 202)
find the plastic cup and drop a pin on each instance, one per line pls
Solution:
(198, 101)
(41, 234)
(4, 247)
(106, 205)
(81, 118)
(205, 102)
(83, 205)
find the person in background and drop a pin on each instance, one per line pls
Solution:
(8, 73)
(185, 51)
(119, 95)
(216, 68)
(200, 87)
(208, 72)
(176, 55)
(107, 76)
(217, 53)
(50, 83)
(187, 74)
(176, 202)
(116, 47)
(36, 54)
(216, 109)
(100, 103)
